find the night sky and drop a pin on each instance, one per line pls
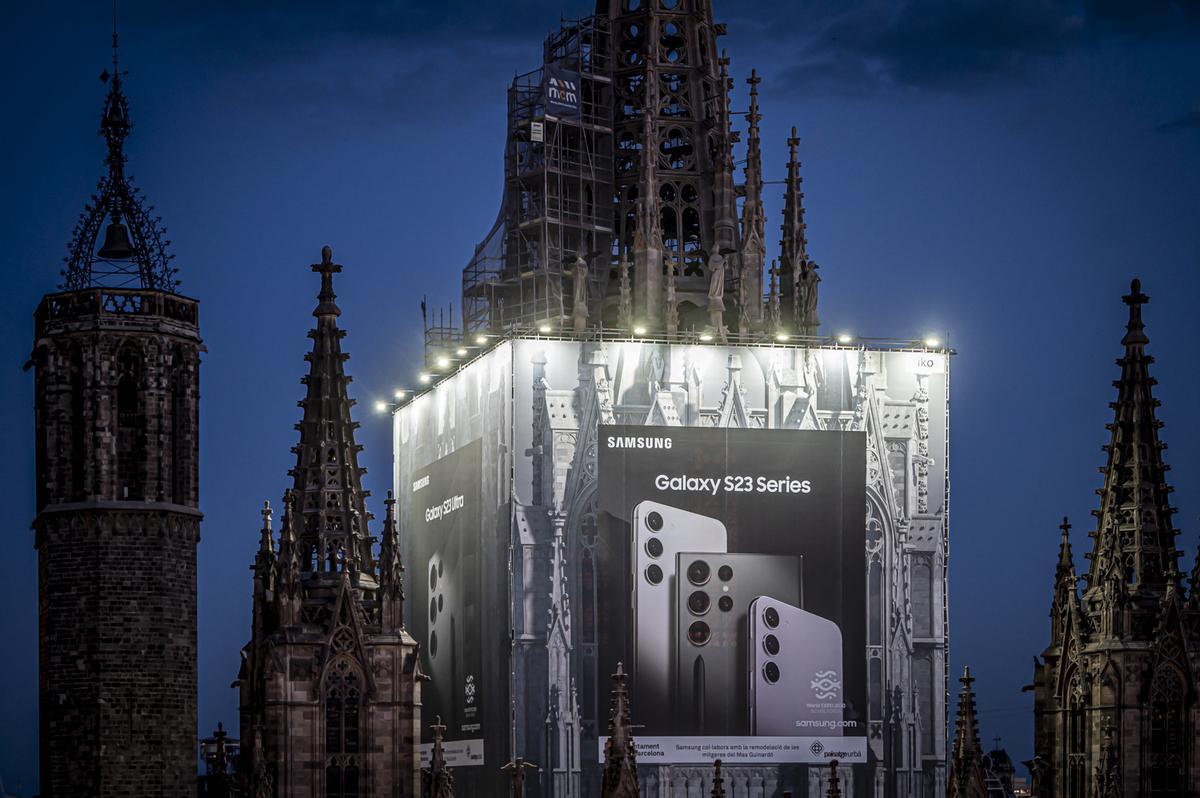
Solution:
(994, 171)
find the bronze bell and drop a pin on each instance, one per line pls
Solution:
(116, 243)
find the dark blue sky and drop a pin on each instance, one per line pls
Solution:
(996, 170)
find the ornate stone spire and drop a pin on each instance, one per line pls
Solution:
(754, 249)
(439, 781)
(793, 246)
(718, 784)
(835, 785)
(264, 561)
(966, 759)
(328, 479)
(1065, 609)
(133, 250)
(647, 239)
(391, 570)
(725, 210)
(1134, 538)
(620, 755)
(287, 593)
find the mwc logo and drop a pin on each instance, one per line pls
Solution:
(562, 91)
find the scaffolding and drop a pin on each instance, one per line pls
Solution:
(557, 203)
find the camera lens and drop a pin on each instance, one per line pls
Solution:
(432, 577)
(725, 603)
(654, 574)
(654, 547)
(440, 599)
(771, 617)
(725, 573)
(654, 521)
(698, 602)
(698, 633)
(698, 572)
(433, 644)
(771, 672)
(433, 608)
(771, 645)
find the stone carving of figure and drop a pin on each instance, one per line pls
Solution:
(716, 279)
(579, 277)
(807, 289)
(655, 376)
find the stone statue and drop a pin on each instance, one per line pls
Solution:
(579, 276)
(716, 295)
(806, 290)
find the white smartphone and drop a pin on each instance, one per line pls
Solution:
(659, 533)
(795, 669)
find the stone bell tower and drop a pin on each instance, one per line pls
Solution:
(116, 394)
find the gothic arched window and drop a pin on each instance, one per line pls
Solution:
(1167, 739)
(131, 437)
(343, 689)
(1077, 739)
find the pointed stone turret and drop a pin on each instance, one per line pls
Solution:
(332, 514)
(793, 246)
(835, 785)
(264, 561)
(725, 198)
(966, 759)
(754, 249)
(1065, 609)
(438, 779)
(620, 755)
(718, 783)
(287, 591)
(391, 571)
(647, 239)
(1134, 542)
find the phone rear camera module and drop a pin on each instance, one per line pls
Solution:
(654, 574)
(654, 547)
(433, 644)
(724, 573)
(432, 577)
(699, 633)
(698, 602)
(725, 603)
(440, 599)
(433, 608)
(771, 617)
(654, 520)
(698, 572)
(771, 672)
(771, 645)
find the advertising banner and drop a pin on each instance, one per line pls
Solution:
(742, 579)
(562, 93)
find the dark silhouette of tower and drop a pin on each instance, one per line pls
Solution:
(116, 368)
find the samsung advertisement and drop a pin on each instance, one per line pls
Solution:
(756, 534)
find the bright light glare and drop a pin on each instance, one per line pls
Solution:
(845, 338)
(706, 336)
(461, 351)
(399, 394)
(932, 343)
(781, 336)
(442, 362)
(543, 328)
(639, 330)
(380, 407)
(424, 378)
(481, 339)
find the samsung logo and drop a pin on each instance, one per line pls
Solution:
(420, 483)
(638, 442)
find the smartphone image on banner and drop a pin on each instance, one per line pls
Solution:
(795, 671)
(714, 592)
(441, 647)
(659, 533)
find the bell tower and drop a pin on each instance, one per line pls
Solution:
(116, 362)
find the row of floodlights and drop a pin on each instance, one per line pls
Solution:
(444, 362)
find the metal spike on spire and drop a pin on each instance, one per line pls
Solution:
(118, 242)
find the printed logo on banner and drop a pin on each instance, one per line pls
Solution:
(562, 92)
(826, 684)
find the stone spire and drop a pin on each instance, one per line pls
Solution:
(1134, 541)
(620, 755)
(725, 205)
(750, 307)
(966, 759)
(1065, 609)
(793, 246)
(718, 783)
(439, 781)
(647, 239)
(287, 592)
(391, 571)
(327, 477)
(118, 242)
(835, 785)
